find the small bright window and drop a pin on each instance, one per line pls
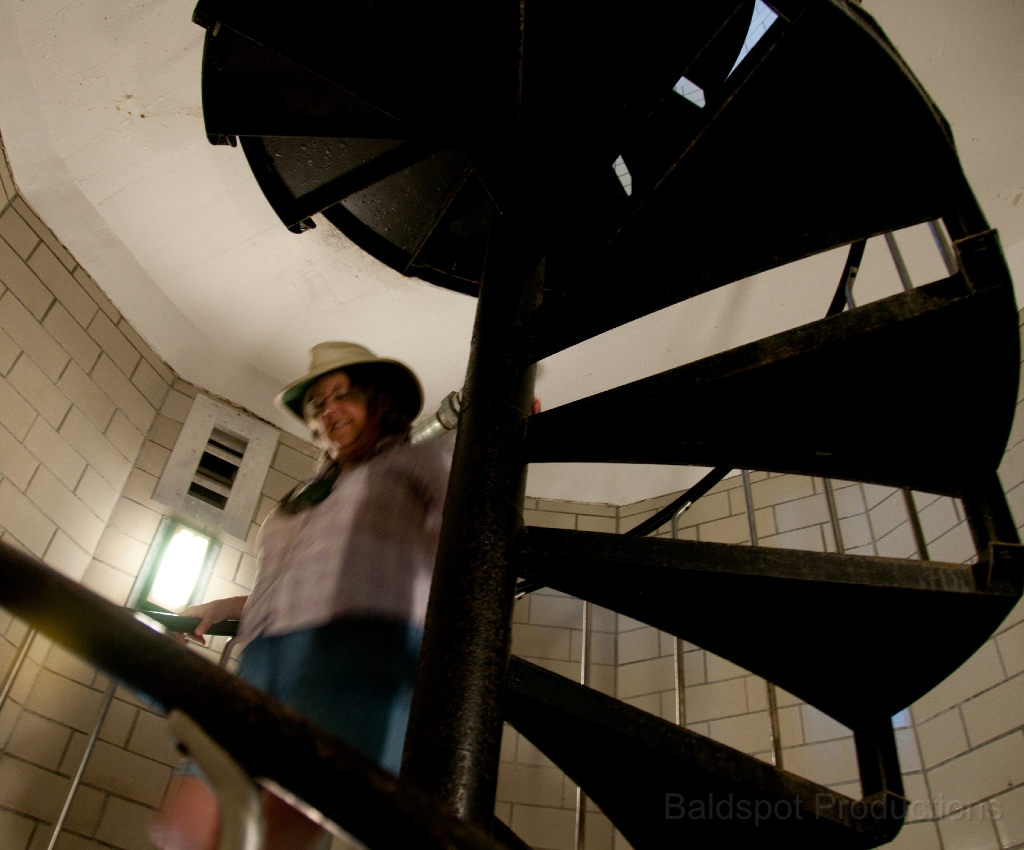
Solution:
(176, 570)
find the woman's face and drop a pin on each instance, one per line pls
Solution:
(340, 417)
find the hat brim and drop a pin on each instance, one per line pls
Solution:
(411, 393)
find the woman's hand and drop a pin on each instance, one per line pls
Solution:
(210, 613)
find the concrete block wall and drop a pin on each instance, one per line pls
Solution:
(88, 416)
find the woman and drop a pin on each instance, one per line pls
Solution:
(334, 621)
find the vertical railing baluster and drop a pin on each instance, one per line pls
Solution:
(833, 515)
(915, 524)
(948, 254)
(774, 739)
(15, 667)
(897, 258)
(59, 824)
(581, 797)
(677, 653)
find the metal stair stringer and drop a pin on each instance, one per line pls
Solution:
(663, 786)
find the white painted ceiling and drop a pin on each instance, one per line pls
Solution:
(100, 112)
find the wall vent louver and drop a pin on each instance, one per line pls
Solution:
(216, 471)
(218, 468)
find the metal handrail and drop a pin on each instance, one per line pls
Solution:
(330, 775)
(445, 419)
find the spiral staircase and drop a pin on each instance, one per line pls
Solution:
(542, 158)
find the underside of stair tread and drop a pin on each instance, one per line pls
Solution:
(835, 630)
(552, 100)
(398, 234)
(301, 176)
(362, 48)
(802, 156)
(965, 354)
(639, 769)
(259, 92)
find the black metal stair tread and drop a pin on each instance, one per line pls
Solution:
(652, 148)
(555, 109)
(855, 636)
(624, 80)
(396, 234)
(585, 82)
(554, 88)
(788, 403)
(250, 90)
(830, 139)
(362, 48)
(454, 254)
(628, 761)
(301, 176)
(315, 147)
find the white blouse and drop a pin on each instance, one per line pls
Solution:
(368, 548)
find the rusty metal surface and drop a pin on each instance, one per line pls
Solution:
(454, 734)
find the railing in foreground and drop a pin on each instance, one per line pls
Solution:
(268, 741)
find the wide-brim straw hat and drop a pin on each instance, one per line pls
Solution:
(331, 356)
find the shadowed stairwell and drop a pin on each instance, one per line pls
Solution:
(506, 182)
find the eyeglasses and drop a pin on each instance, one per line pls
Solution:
(314, 407)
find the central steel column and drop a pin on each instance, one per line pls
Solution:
(452, 746)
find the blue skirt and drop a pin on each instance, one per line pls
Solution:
(353, 677)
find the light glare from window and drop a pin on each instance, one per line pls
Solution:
(691, 91)
(762, 18)
(622, 172)
(179, 569)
